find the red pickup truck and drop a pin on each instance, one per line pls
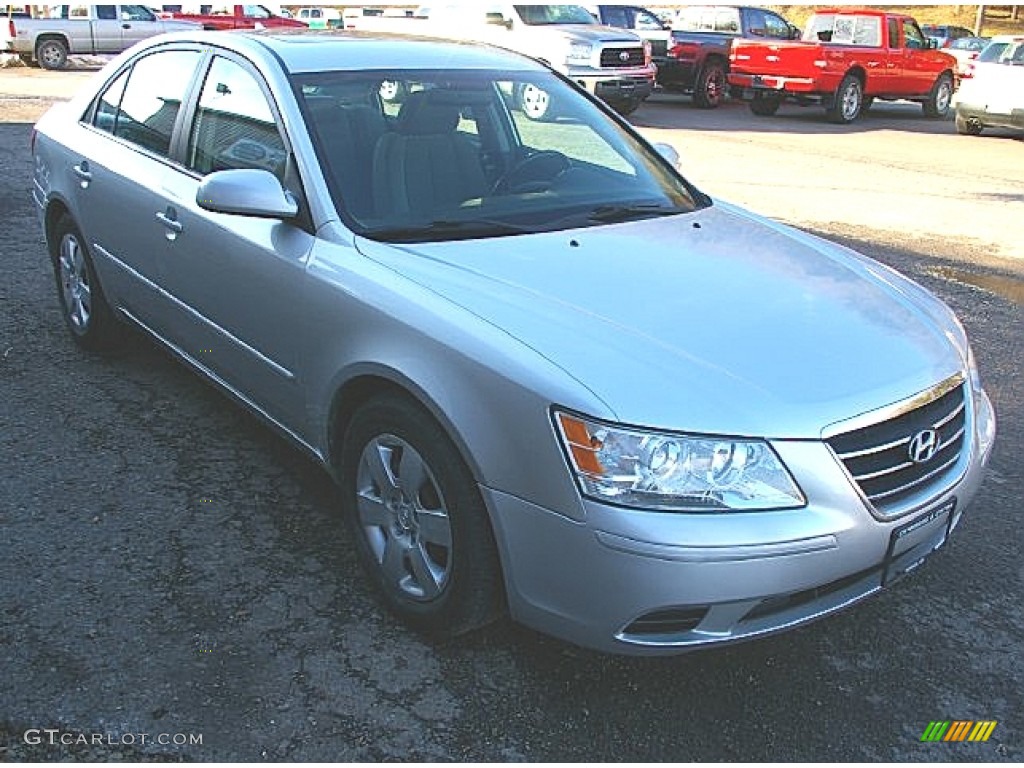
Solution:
(233, 17)
(845, 59)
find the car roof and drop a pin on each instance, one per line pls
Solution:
(306, 50)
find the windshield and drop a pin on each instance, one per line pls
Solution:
(535, 15)
(420, 155)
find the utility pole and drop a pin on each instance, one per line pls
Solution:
(979, 21)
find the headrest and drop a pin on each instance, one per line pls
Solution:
(423, 115)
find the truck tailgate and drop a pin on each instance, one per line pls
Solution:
(783, 58)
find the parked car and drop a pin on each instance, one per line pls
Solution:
(846, 59)
(547, 372)
(84, 29)
(225, 17)
(697, 60)
(614, 64)
(644, 23)
(965, 50)
(943, 35)
(320, 18)
(993, 95)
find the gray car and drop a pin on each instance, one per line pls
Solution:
(551, 376)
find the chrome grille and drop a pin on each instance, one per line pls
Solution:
(612, 57)
(879, 456)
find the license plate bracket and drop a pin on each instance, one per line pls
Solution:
(911, 543)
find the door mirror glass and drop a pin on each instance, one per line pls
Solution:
(668, 152)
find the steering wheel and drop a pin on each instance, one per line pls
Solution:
(533, 173)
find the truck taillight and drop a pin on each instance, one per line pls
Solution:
(647, 53)
(684, 50)
(11, 30)
(967, 71)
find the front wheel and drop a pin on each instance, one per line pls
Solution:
(625, 108)
(968, 126)
(765, 106)
(848, 101)
(52, 54)
(420, 526)
(709, 90)
(940, 97)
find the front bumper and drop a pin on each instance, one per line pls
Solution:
(636, 582)
(1014, 118)
(615, 85)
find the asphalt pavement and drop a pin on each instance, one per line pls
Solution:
(175, 582)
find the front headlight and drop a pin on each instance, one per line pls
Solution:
(664, 471)
(578, 53)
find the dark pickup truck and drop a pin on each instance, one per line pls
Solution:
(697, 60)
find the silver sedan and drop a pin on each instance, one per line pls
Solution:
(550, 375)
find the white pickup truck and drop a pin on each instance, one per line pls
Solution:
(81, 29)
(613, 64)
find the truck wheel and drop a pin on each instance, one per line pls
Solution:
(709, 89)
(848, 101)
(868, 101)
(765, 106)
(52, 53)
(625, 108)
(968, 126)
(534, 102)
(937, 103)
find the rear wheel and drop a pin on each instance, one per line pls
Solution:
(848, 101)
(52, 53)
(868, 101)
(420, 526)
(709, 89)
(764, 105)
(86, 313)
(938, 101)
(968, 126)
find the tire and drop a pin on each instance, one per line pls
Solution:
(868, 101)
(848, 101)
(968, 126)
(710, 87)
(940, 97)
(52, 53)
(87, 314)
(765, 106)
(399, 470)
(534, 102)
(626, 108)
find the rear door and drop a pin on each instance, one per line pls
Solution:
(119, 163)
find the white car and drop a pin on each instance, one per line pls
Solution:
(992, 96)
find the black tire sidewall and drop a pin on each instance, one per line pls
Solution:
(700, 91)
(472, 596)
(836, 111)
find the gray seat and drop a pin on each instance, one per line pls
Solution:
(426, 165)
(348, 135)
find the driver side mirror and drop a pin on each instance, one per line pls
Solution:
(499, 20)
(246, 192)
(795, 33)
(933, 44)
(670, 153)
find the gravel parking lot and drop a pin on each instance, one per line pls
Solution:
(172, 570)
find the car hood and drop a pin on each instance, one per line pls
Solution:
(716, 321)
(584, 33)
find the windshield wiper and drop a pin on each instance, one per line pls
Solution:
(466, 228)
(609, 214)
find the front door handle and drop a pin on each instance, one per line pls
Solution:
(169, 219)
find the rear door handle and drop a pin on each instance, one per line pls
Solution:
(82, 172)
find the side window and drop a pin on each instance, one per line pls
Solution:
(647, 21)
(616, 17)
(106, 12)
(775, 27)
(136, 13)
(152, 98)
(108, 105)
(912, 35)
(727, 20)
(234, 125)
(755, 23)
(254, 11)
(894, 33)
